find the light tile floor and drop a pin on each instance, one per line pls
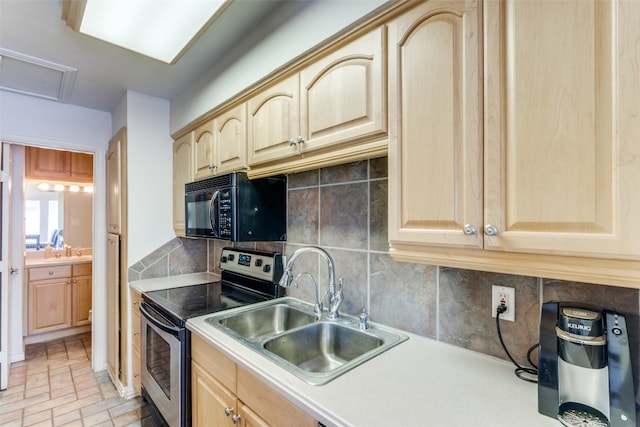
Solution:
(55, 386)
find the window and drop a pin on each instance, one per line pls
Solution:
(32, 224)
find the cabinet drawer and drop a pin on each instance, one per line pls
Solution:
(274, 409)
(82, 269)
(52, 272)
(214, 362)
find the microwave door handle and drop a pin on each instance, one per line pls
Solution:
(213, 214)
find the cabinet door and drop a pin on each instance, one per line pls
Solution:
(49, 305)
(136, 297)
(115, 166)
(44, 163)
(203, 151)
(182, 173)
(230, 139)
(250, 418)
(562, 151)
(273, 120)
(342, 96)
(82, 303)
(113, 305)
(81, 169)
(209, 400)
(435, 146)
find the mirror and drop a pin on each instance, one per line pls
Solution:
(44, 218)
(57, 218)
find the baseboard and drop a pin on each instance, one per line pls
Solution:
(53, 335)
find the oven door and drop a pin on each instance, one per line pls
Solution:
(163, 359)
(202, 214)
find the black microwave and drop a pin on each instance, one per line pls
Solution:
(236, 208)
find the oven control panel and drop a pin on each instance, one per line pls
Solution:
(260, 265)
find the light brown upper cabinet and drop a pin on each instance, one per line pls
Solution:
(334, 108)
(273, 121)
(220, 145)
(182, 173)
(203, 151)
(342, 95)
(56, 165)
(547, 165)
(116, 182)
(435, 147)
(230, 140)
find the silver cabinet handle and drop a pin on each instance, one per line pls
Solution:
(298, 140)
(228, 411)
(236, 419)
(469, 230)
(490, 230)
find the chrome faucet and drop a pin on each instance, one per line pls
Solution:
(335, 294)
(317, 308)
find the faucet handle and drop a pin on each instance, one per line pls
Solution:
(364, 320)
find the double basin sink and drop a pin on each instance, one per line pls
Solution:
(286, 331)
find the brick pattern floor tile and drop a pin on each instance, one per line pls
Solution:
(55, 386)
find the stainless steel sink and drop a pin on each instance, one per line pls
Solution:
(266, 321)
(287, 332)
(322, 347)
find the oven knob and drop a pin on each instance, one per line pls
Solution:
(266, 268)
(223, 259)
(231, 257)
(258, 262)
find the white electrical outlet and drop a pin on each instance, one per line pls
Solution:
(506, 295)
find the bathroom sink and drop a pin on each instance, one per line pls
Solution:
(287, 332)
(322, 347)
(266, 321)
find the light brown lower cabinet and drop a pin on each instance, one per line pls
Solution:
(224, 394)
(136, 297)
(59, 297)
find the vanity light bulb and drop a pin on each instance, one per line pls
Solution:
(88, 189)
(74, 188)
(59, 187)
(43, 186)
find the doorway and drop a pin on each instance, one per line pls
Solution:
(58, 242)
(18, 298)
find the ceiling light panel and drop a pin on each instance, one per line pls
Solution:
(160, 29)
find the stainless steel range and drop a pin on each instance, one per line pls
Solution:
(247, 277)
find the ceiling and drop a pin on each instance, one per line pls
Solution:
(43, 57)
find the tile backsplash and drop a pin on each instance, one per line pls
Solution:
(343, 209)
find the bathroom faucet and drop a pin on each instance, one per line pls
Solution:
(335, 295)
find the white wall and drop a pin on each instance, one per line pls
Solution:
(149, 175)
(28, 120)
(316, 22)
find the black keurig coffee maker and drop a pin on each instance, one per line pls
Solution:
(584, 367)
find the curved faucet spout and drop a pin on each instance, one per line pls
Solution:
(285, 280)
(335, 295)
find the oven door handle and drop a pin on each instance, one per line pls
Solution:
(168, 328)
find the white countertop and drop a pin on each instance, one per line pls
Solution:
(420, 382)
(42, 262)
(147, 285)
